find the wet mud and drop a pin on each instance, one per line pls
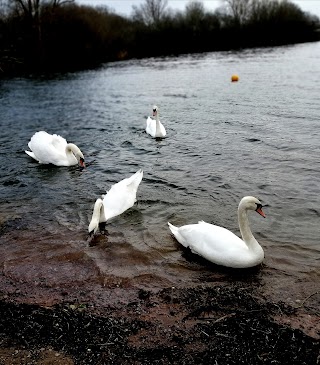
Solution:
(219, 325)
(66, 301)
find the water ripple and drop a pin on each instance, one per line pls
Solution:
(259, 137)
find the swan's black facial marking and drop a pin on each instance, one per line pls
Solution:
(259, 210)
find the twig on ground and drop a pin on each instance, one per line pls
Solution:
(307, 298)
(216, 320)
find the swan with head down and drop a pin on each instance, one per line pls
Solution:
(53, 149)
(154, 127)
(118, 199)
(221, 246)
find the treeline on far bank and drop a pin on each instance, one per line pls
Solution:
(64, 36)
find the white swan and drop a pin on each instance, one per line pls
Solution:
(154, 126)
(118, 199)
(50, 148)
(221, 246)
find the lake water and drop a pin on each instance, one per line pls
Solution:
(258, 136)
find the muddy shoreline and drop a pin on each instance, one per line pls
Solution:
(59, 308)
(216, 324)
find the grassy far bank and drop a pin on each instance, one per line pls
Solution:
(57, 35)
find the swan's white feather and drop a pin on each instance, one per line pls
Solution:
(219, 245)
(120, 197)
(154, 127)
(50, 149)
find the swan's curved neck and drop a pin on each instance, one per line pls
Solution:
(245, 230)
(98, 215)
(71, 152)
(98, 211)
(157, 124)
(102, 213)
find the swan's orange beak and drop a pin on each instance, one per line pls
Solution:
(260, 211)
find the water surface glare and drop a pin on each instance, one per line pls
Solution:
(259, 136)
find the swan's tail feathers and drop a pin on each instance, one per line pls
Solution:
(175, 231)
(135, 179)
(31, 154)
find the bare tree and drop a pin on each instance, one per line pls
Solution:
(151, 11)
(239, 9)
(31, 8)
(195, 10)
(3, 8)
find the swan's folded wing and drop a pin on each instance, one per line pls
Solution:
(149, 121)
(48, 148)
(162, 129)
(40, 146)
(207, 238)
(151, 126)
(58, 142)
(117, 202)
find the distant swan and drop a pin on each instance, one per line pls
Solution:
(154, 126)
(50, 148)
(118, 199)
(221, 246)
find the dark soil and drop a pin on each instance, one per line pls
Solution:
(203, 325)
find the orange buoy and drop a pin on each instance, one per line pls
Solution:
(234, 78)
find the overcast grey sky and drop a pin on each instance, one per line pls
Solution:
(125, 6)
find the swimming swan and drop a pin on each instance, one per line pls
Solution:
(118, 199)
(221, 246)
(154, 126)
(50, 148)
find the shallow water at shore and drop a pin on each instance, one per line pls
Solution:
(225, 140)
